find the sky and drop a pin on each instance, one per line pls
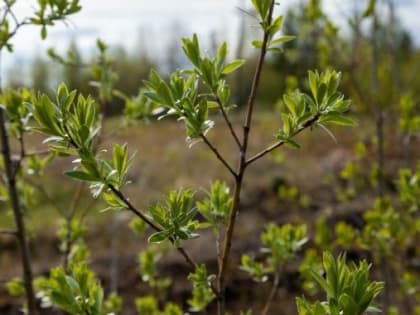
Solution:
(132, 23)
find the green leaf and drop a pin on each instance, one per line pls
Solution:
(234, 65)
(282, 40)
(337, 119)
(257, 43)
(79, 175)
(43, 32)
(158, 237)
(293, 144)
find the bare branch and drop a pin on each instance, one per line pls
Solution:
(218, 155)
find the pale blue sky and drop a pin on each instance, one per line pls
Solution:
(125, 21)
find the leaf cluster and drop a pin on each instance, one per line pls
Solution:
(175, 217)
(347, 287)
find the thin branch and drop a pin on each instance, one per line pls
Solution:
(241, 170)
(272, 294)
(18, 216)
(37, 153)
(142, 216)
(256, 81)
(218, 155)
(69, 217)
(46, 195)
(278, 144)
(228, 122)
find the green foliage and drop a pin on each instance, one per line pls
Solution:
(370, 10)
(255, 269)
(280, 246)
(324, 105)
(347, 287)
(73, 125)
(180, 96)
(138, 226)
(18, 111)
(78, 293)
(148, 305)
(217, 206)
(45, 14)
(103, 74)
(202, 294)
(138, 107)
(383, 228)
(283, 243)
(15, 287)
(409, 189)
(148, 260)
(409, 111)
(176, 217)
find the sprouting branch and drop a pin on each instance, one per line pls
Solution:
(241, 169)
(218, 155)
(278, 144)
(142, 216)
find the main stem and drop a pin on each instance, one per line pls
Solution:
(379, 123)
(221, 299)
(18, 217)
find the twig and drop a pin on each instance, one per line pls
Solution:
(218, 155)
(142, 216)
(278, 144)
(272, 294)
(18, 216)
(228, 122)
(241, 171)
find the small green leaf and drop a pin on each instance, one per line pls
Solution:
(282, 40)
(44, 32)
(79, 175)
(158, 237)
(257, 43)
(234, 65)
(337, 119)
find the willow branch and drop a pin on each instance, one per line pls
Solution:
(155, 227)
(21, 233)
(228, 122)
(241, 170)
(278, 144)
(272, 294)
(218, 155)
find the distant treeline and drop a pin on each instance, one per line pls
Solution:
(319, 44)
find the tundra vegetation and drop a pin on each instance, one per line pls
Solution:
(70, 126)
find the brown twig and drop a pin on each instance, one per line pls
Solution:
(228, 122)
(18, 216)
(218, 155)
(142, 216)
(278, 144)
(241, 171)
(272, 294)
